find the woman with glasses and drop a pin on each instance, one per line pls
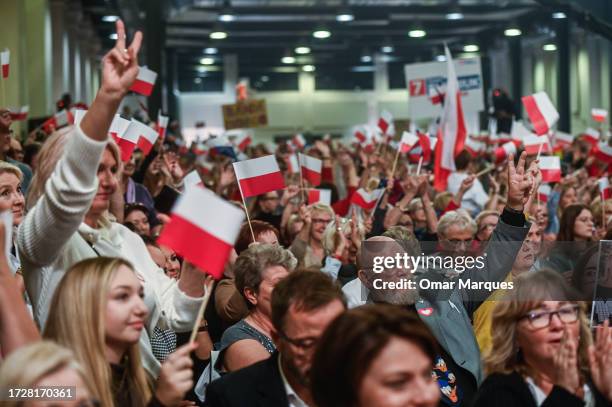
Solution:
(543, 352)
(308, 244)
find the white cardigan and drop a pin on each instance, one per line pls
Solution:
(53, 237)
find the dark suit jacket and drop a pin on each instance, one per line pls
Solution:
(258, 385)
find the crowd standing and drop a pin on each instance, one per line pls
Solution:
(90, 299)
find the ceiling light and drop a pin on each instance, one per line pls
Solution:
(441, 58)
(366, 59)
(387, 49)
(265, 78)
(308, 68)
(345, 17)
(559, 15)
(207, 61)
(512, 32)
(454, 16)
(321, 34)
(201, 69)
(471, 48)
(417, 33)
(549, 47)
(211, 51)
(302, 50)
(288, 60)
(218, 35)
(110, 19)
(113, 36)
(226, 16)
(197, 80)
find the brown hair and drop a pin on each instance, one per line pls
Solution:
(245, 238)
(353, 341)
(305, 290)
(568, 219)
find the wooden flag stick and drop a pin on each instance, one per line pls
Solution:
(418, 172)
(196, 325)
(485, 171)
(540, 151)
(246, 209)
(3, 80)
(395, 161)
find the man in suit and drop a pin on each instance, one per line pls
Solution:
(303, 305)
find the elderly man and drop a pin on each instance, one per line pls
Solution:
(456, 231)
(448, 312)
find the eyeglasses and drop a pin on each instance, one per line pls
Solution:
(541, 319)
(326, 221)
(303, 344)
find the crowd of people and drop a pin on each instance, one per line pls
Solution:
(90, 301)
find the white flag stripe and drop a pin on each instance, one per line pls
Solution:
(548, 162)
(450, 116)
(256, 167)
(533, 140)
(509, 148)
(605, 148)
(409, 139)
(119, 125)
(147, 75)
(519, 131)
(192, 179)
(133, 131)
(547, 109)
(5, 57)
(545, 189)
(311, 163)
(564, 137)
(604, 184)
(221, 219)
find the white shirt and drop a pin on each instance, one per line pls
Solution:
(292, 396)
(355, 292)
(540, 396)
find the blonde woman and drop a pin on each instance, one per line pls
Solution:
(542, 352)
(11, 195)
(45, 364)
(68, 218)
(104, 329)
(341, 241)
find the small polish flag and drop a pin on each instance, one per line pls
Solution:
(258, 176)
(604, 188)
(474, 147)
(519, 131)
(293, 165)
(205, 166)
(242, 141)
(603, 151)
(424, 148)
(192, 179)
(203, 229)
(563, 139)
(298, 142)
(366, 200)
(541, 111)
(162, 125)
(544, 192)
(311, 169)
(20, 114)
(5, 57)
(127, 141)
(503, 152)
(221, 146)
(408, 141)
(599, 115)
(385, 121)
(532, 144)
(319, 195)
(591, 135)
(360, 136)
(58, 120)
(144, 81)
(147, 136)
(550, 166)
(118, 128)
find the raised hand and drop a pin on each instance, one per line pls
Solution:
(120, 64)
(566, 363)
(520, 183)
(600, 360)
(176, 376)
(290, 192)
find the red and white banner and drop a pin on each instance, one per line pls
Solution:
(5, 58)
(203, 229)
(144, 81)
(319, 195)
(408, 141)
(533, 143)
(385, 121)
(452, 131)
(544, 192)
(162, 125)
(147, 136)
(366, 200)
(118, 127)
(127, 140)
(58, 120)
(503, 152)
(591, 135)
(541, 111)
(603, 151)
(20, 114)
(550, 167)
(192, 179)
(599, 115)
(258, 176)
(604, 188)
(311, 169)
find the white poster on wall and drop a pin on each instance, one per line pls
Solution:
(427, 87)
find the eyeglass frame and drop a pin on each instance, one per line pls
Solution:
(550, 314)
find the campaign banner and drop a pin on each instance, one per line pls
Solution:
(246, 114)
(426, 84)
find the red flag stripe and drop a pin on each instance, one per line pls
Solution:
(261, 184)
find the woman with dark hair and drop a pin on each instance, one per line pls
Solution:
(375, 355)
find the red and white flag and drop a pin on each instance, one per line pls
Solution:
(519, 131)
(541, 111)
(544, 192)
(360, 136)
(162, 125)
(192, 179)
(550, 167)
(319, 195)
(366, 200)
(58, 120)
(452, 131)
(5, 58)
(242, 141)
(563, 139)
(474, 147)
(144, 81)
(599, 115)
(604, 188)
(20, 114)
(592, 136)
(293, 165)
(385, 121)
(147, 136)
(503, 152)
(408, 141)
(298, 142)
(118, 128)
(533, 144)
(603, 151)
(258, 176)
(128, 140)
(311, 169)
(203, 229)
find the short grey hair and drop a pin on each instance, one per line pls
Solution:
(252, 262)
(456, 218)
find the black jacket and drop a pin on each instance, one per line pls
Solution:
(258, 385)
(510, 390)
